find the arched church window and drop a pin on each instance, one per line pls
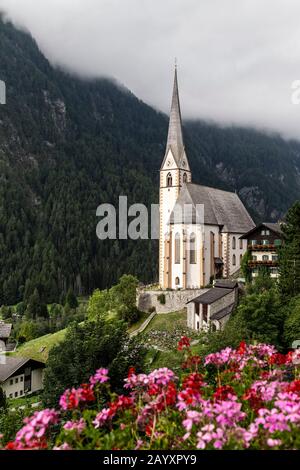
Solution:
(192, 249)
(234, 260)
(169, 179)
(185, 178)
(177, 281)
(177, 248)
(234, 243)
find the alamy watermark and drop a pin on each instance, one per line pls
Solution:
(2, 92)
(137, 222)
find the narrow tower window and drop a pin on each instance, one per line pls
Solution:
(192, 249)
(185, 178)
(234, 260)
(169, 180)
(234, 243)
(177, 248)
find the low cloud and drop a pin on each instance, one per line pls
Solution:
(237, 59)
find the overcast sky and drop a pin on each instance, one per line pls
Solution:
(237, 58)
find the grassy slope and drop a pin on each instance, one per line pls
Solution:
(170, 358)
(39, 348)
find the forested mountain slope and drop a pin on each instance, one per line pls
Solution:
(68, 145)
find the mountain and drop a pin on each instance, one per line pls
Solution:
(68, 145)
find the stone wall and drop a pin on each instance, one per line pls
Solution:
(175, 300)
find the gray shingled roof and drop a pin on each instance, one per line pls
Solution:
(10, 365)
(5, 330)
(211, 296)
(175, 137)
(221, 208)
(226, 283)
(222, 313)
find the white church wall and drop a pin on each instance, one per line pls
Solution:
(239, 251)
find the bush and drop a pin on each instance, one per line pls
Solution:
(235, 399)
(162, 299)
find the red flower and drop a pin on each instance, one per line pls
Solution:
(131, 372)
(87, 393)
(193, 381)
(253, 398)
(184, 343)
(242, 348)
(222, 392)
(294, 387)
(280, 359)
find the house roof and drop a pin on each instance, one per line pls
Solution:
(5, 330)
(10, 365)
(271, 226)
(223, 313)
(211, 296)
(226, 283)
(222, 208)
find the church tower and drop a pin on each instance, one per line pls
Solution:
(175, 172)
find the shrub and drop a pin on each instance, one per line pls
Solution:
(233, 399)
(162, 299)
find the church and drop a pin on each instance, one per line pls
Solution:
(200, 227)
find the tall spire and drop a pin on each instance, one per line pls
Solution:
(175, 138)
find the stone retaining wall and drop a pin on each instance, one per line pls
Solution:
(175, 300)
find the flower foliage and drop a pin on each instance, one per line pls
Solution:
(244, 398)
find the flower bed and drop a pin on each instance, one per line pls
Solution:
(247, 398)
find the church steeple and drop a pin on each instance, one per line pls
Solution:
(175, 137)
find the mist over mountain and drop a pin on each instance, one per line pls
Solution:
(68, 145)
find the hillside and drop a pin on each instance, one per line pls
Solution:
(68, 145)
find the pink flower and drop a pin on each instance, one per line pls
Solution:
(101, 377)
(33, 434)
(102, 418)
(273, 442)
(78, 426)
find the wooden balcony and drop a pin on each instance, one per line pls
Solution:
(255, 264)
(263, 247)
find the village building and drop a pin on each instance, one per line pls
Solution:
(200, 227)
(20, 376)
(5, 333)
(263, 242)
(212, 309)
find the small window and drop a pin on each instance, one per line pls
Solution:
(17, 380)
(275, 258)
(241, 259)
(234, 260)
(265, 242)
(265, 258)
(16, 394)
(277, 242)
(22, 379)
(234, 243)
(253, 242)
(198, 325)
(267, 232)
(177, 281)
(241, 244)
(21, 392)
(184, 178)
(11, 382)
(254, 258)
(169, 180)
(10, 395)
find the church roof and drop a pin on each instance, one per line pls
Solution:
(222, 208)
(175, 137)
